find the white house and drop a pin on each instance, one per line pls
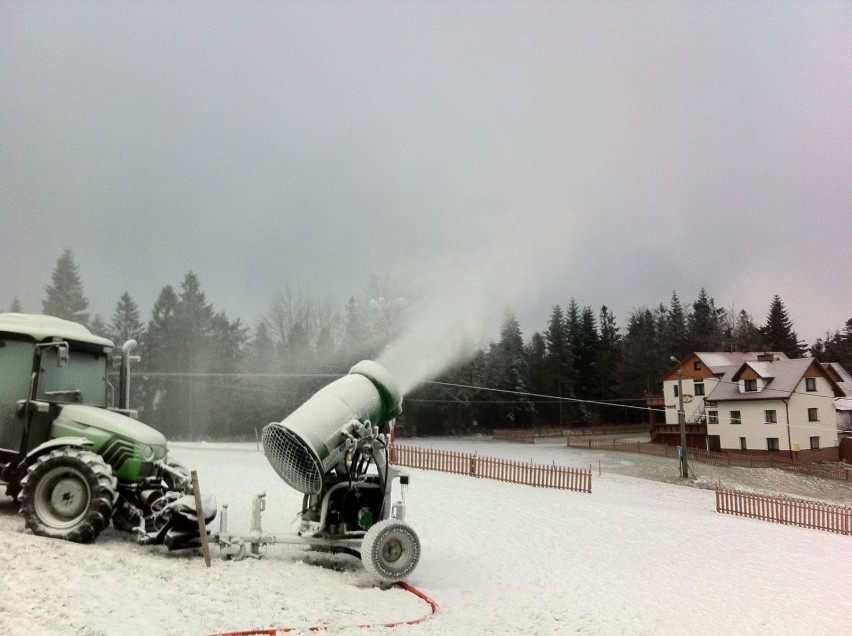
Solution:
(760, 402)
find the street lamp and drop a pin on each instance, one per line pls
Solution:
(681, 420)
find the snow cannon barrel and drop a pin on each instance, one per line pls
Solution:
(314, 438)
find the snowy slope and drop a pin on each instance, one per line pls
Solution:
(634, 557)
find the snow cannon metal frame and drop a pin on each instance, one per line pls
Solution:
(334, 449)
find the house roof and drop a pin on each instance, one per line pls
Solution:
(782, 377)
(843, 379)
(716, 361)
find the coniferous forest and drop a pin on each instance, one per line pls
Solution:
(205, 375)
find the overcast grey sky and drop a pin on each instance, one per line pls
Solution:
(612, 152)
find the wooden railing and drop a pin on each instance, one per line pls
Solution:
(786, 510)
(511, 471)
(529, 435)
(714, 458)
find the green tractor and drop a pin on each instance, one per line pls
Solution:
(73, 461)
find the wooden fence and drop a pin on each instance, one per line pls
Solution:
(530, 435)
(515, 472)
(714, 458)
(786, 510)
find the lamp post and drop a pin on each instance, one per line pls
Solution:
(681, 420)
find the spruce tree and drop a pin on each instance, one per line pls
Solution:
(126, 324)
(705, 325)
(778, 333)
(509, 370)
(676, 331)
(64, 297)
(99, 327)
(561, 376)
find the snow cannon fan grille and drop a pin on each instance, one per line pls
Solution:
(292, 459)
(315, 438)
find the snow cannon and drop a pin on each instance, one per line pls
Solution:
(316, 437)
(334, 449)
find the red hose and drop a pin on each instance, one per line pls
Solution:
(274, 631)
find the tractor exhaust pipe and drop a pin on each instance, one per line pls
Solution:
(124, 374)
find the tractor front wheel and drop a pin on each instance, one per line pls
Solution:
(390, 550)
(68, 494)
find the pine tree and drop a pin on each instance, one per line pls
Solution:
(16, 307)
(705, 325)
(745, 335)
(99, 327)
(586, 355)
(643, 356)
(65, 295)
(160, 355)
(510, 371)
(561, 376)
(353, 345)
(126, 324)
(676, 330)
(609, 354)
(535, 353)
(778, 333)
(835, 347)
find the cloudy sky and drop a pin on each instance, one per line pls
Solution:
(613, 152)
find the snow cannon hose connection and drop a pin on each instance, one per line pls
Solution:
(334, 450)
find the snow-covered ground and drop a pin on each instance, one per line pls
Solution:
(637, 556)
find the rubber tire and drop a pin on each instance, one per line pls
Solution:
(390, 550)
(68, 494)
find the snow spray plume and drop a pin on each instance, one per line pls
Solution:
(463, 305)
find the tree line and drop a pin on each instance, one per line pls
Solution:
(203, 375)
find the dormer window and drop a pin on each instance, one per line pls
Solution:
(750, 386)
(810, 384)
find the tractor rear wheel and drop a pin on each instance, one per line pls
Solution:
(68, 494)
(390, 550)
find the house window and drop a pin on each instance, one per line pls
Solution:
(810, 384)
(813, 415)
(772, 443)
(714, 417)
(815, 442)
(697, 365)
(771, 416)
(736, 417)
(751, 385)
(743, 445)
(699, 388)
(675, 390)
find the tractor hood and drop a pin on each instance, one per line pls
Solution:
(111, 422)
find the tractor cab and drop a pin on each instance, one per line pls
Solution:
(71, 458)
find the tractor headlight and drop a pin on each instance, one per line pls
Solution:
(161, 452)
(147, 452)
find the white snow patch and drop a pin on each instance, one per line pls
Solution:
(634, 557)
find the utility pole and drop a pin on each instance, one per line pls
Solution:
(681, 420)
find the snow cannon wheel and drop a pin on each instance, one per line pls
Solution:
(390, 550)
